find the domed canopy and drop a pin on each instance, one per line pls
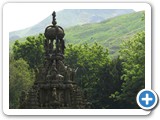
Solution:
(53, 31)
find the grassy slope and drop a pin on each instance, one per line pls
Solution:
(71, 17)
(109, 33)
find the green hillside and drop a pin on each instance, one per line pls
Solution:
(109, 33)
(70, 17)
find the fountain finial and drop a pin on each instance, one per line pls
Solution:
(54, 18)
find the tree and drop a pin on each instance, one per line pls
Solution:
(31, 51)
(20, 78)
(109, 83)
(90, 61)
(132, 54)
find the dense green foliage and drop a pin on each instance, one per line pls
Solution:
(133, 57)
(20, 78)
(108, 83)
(89, 60)
(31, 50)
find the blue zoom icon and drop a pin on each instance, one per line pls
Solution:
(147, 99)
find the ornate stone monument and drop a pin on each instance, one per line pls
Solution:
(55, 86)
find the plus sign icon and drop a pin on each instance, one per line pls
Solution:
(147, 99)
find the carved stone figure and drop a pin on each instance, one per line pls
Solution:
(54, 94)
(68, 73)
(74, 71)
(59, 77)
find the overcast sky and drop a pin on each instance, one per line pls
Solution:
(23, 15)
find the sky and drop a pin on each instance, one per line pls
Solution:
(23, 15)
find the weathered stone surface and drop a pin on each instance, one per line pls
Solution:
(55, 86)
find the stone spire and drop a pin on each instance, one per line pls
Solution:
(55, 86)
(54, 18)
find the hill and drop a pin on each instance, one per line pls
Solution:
(109, 33)
(70, 17)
